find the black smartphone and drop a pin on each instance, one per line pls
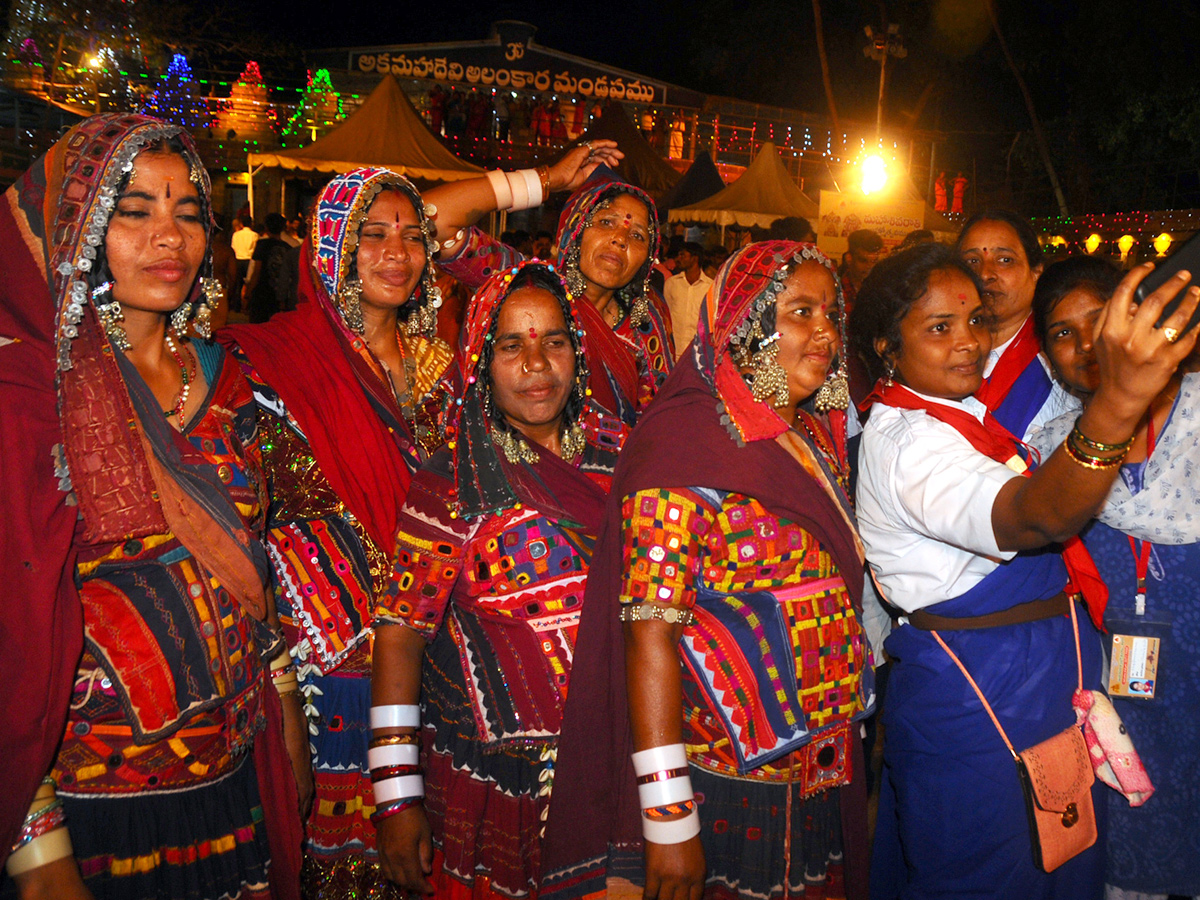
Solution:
(1186, 257)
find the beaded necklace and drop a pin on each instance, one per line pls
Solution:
(185, 387)
(825, 444)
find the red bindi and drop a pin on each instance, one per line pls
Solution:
(533, 334)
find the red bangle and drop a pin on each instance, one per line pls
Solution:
(385, 772)
(395, 806)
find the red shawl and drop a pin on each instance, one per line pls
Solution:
(351, 420)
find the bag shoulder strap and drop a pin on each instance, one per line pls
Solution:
(982, 699)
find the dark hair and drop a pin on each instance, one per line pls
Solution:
(920, 236)
(246, 220)
(790, 228)
(693, 247)
(275, 223)
(889, 292)
(1016, 221)
(542, 278)
(1093, 273)
(865, 240)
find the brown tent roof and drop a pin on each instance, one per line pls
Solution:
(642, 166)
(699, 182)
(764, 192)
(385, 131)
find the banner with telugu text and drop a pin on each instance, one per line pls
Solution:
(841, 214)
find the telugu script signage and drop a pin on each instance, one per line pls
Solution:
(440, 68)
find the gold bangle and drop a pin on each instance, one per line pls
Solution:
(289, 693)
(1081, 438)
(391, 740)
(51, 846)
(1094, 463)
(544, 175)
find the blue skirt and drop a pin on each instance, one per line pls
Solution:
(952, 820)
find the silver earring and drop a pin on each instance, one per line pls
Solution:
(350, 301)
(573, 441)
(179, 319)
(889, 371)
(515, 449)
(111, 316)
(768, 379)
(572, 275)
(211, 295)
(834, 393)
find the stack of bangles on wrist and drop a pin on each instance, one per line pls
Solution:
(523, 189)
(283, 674)
(665, 789)
(43, 837)
(393, 761)
(1082, 450)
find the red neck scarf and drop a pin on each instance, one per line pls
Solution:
(994, 441)
(1015, 360)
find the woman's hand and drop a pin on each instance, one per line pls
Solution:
(675, 871)
(1136, 359)
(406, 849)
(58, 880)
(295, 738)
(580, 162)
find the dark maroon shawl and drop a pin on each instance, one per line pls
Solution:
(684, 439)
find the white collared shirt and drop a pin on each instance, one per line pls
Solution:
(925, 499)
(683, 300)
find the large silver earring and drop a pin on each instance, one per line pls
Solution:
(111, 315)
(179, 319)
(889, 371)
(572, 274)
(211, 295)
(572, 441)
(515, 449)
(768, 379)
(424, 319)
(350, 302)
(834, 393)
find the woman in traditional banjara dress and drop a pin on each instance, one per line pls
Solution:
(606, 246)
(343, 386)
(709, 745)
(139, 636)
(491, 563)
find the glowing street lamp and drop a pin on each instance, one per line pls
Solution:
(874, 174)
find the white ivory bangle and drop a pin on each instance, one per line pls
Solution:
(397, 715)
(520, 191)
(504, 197)
(658, 759)
(399, 788)
(658, 832)
(49, 847)
(660, 793)
(533, 186)
(395, 755)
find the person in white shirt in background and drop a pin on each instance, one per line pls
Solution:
(684, 292)
(242, 240)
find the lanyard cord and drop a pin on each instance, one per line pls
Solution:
(1141, 549)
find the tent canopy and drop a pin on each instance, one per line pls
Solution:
(699, 182)
(642, 166)
(764, 192)
(385, 131)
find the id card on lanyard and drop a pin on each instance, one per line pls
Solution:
(1135, 650)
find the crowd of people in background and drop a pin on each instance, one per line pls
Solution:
(582, 563)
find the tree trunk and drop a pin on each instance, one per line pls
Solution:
(833, 114)
(1039, 137)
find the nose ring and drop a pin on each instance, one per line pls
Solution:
(525, 368)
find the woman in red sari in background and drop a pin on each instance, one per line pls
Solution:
(607, 241)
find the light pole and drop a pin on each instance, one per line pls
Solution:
(882, 45)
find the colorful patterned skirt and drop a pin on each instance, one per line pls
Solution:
(485, 804)
(207, 843)
(340, 859)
